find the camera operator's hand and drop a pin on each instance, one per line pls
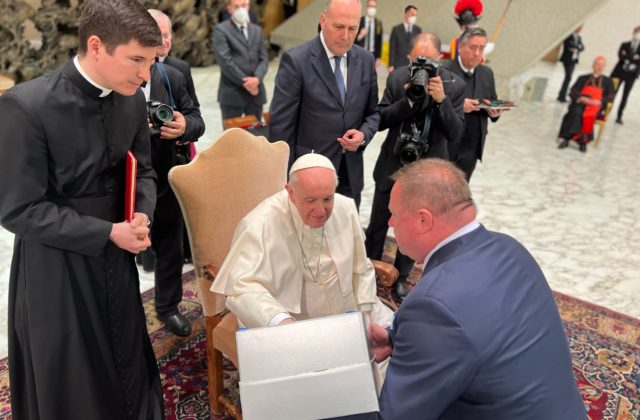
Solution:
(351, 140)
(134, 236)
(435, 88)
(251, 85)
(470, 105)
(173, 129)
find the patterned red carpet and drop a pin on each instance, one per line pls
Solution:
(605, 347)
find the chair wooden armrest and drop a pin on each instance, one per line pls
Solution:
(386, 274)
(210, 272)
(240, 122)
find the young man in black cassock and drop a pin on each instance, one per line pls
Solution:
(78, 344)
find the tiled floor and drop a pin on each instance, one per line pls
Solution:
(575, 212)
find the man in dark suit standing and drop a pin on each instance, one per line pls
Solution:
(164, 23)
(571, 49)
(401, 36)
(480, 88)
(370, 31)
(168, 86)
(242, 56)
(325, 97)
(628, 69)
(438, 117)
(480, 335)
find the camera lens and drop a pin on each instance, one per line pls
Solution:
(164, 113)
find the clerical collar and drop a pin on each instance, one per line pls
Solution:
(326, 49)
(468, 228)
(161, 59)
(105, 91)
(464, 69)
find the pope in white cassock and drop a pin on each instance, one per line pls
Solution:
(300, 254)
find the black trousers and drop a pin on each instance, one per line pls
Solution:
(568, 72)
(467, 160)
(344, 185)
(628, 79)
(167, 243)
(238, 111)
(377, 233)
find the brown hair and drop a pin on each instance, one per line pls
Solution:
(433, 183)
(116, 22)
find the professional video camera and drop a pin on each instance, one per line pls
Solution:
(420, 70)
(410, 146)
(158, 114)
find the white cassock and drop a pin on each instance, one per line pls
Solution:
(278, 266)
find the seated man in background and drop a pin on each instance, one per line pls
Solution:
(300, 254)
(590, 96)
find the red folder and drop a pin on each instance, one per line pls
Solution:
(130, 186)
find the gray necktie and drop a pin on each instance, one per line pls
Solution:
(243, 29)
(340, 79)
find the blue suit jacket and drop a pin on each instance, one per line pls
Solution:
(306, 110)
(480, 337)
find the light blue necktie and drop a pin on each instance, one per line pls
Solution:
(340, 80)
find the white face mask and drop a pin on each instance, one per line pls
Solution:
(412, 20)
(241, 15)
(636, 36)
(371, 11)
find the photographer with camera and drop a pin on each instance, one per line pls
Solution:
(422, 108)
(173, 119)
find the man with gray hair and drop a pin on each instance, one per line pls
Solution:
(480, 335)
(300, 254)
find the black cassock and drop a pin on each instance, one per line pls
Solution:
(78, 343)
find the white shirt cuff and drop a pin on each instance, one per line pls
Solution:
(276, 320)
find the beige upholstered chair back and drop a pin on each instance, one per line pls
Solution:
(217, 189)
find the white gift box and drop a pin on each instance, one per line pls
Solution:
(313, 369)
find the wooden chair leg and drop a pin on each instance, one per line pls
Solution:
(214, 367)
(599, 136)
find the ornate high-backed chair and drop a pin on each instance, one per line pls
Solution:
(215, 191)
(602, 122)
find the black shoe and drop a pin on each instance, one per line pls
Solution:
(583, 147)
(176, 323)
(563, 144)
(619, 120)
(562, 100)
(402, 290)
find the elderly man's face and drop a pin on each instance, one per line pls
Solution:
(340, 24)
(599, 65)
(165, 30)
(424, 49)
(472, 52)
(312, 193)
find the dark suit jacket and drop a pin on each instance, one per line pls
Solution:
(163, 152)
(400, 45)
(306, 110)
(377, 41)
(185, 69)
(568, 46)
(480, 337)
(485, 88)
(239, 58)
(447, 122)
(626, 57)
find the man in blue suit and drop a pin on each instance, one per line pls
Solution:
(479, 337)
(325, 97)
